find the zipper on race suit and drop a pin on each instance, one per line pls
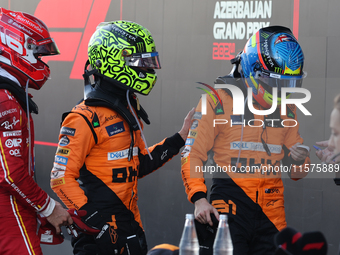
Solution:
(131, 200)
(257, 197)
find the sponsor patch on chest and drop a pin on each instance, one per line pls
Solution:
(121, 154)
(115, 128)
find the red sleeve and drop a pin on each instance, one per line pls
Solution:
(15, 176)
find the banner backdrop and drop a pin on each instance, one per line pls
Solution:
(196, 40)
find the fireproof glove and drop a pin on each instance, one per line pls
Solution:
(47, 232)
(78, 225)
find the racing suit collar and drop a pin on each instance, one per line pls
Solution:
(7, 75)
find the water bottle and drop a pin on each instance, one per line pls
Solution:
(223, 244)
(189, 242)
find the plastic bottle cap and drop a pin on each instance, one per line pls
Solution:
(189, 216)
(223, 217)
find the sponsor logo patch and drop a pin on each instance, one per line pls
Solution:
(47, 237)
(192, 134)
(115, 128)
(58, 167)
(271, 191)
(189, 141)
(61, 160)
(64, 141)
(57, 182)
(112, 117)
(186, 151)
(164, 154)
(236, 119)
(15, 142)
(184, 160)
(67, 131)
(197, 116)
(7, 124)
(57, 174)
(95, 121)
(15, 152)
(121, 154)
(253, 146)
(194, 124)
(12, 133)
(271, 203)
(63, 151)
(4, 113)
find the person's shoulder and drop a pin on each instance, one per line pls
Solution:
(5, 94)
(291, 111)
(7, 97)
(100, 114)
(83, 109)
(223, 97)
(224, 93)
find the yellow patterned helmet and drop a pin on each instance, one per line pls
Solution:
(124, 53)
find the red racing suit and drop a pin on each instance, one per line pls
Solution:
(247, 182)
(20, 197)
(92, 171)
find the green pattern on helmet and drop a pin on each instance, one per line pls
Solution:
(106, 48)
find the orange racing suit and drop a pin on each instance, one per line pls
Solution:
(246, 182)
(92, 171)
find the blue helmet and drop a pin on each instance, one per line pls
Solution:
(272, 57)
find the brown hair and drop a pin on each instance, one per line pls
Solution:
(337, 102)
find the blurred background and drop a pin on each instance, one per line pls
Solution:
(196, 40)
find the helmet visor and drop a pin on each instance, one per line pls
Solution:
(148, 60)
(45, 47)
(275, 80)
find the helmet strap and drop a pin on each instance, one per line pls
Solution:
(87, 83)
(236, 62)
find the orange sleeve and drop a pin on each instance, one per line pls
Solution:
(199, 141)
(75, 143)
